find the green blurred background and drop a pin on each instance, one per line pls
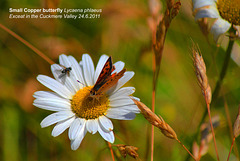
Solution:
(122, 32)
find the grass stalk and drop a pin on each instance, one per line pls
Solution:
(235, 149)
(152, 128)
(38, 52)
(231, 148)
(186, 149)
(153, 105)
(111, 150)
(210, 120)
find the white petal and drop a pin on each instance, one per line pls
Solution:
(123, 113)
(66, 79)
(121, 101)
(48, 94)
(77, 141)
(52, 105)
(125, 109)
(56, 71)
(84, 83)
(88, 69)
(43, 98)
(81, 64)
(63, 60)
(129, 116)
(92, 126)
(56, 117)
(125, 91)
(54, 86)
(62, 126)
(75, 128)
(210, 12)
(119, 66)
(219, 27)
(108, 136)
(99, 67)
(71, 80)
(135, 98)
(127, 76)
(106, 123)
(76, 69)
(202, 3)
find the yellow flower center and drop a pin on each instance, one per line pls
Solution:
(229, 10)
(88, 107)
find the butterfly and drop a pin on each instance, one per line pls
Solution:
(106, 79)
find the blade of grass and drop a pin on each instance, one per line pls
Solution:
(210, 120)
(38, 52)
(231, 148)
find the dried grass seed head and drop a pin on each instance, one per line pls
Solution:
(175, 9)
(128, 149)
(156, 121)
(236, 127)
(200, 70)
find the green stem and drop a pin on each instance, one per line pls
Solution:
(223, 72)
(218, 85)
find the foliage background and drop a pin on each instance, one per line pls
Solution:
(122, 32)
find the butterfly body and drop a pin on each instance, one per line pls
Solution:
(106, 79)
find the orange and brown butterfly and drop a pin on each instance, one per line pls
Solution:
(106, 79)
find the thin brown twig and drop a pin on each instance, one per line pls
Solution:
(153, 106)
(228, 117)
(152, 129)
(110, 147)
(38, 52)
(231, 148)
(235, 149)
(186, 149)
(210, 120)
(158, 39)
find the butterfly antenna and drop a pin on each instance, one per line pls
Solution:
(82, 83)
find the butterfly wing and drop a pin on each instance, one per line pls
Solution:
(105, 73)
(110, 82)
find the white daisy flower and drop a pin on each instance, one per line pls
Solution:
(72, 106)
(225, 13)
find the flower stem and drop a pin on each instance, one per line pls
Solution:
(210, 120)
(186, 149)
(153, 105)
(110, 147)
(231, 148)
(223, 71)
(235, 149)
(38, 52)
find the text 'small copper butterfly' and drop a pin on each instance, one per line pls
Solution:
(106, 79)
